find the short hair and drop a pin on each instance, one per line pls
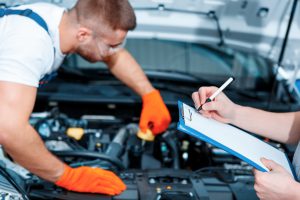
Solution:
(117, 14)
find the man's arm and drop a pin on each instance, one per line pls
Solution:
(155, 114)
(18, 137)
(25, 146)
(126, 69)
(283, 127)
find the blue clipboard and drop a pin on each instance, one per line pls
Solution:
(183, 128)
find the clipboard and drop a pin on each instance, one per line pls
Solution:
(231, 139)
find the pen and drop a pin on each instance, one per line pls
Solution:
(216, 93)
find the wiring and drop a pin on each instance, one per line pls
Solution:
(13, 182)
(223, 174)
(89, 154)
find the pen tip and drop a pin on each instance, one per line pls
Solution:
(200, 108)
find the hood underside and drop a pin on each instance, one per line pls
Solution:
(255, 26)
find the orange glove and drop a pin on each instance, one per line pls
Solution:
(93, 180)
(155, 115)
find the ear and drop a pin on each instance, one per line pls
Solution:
(84, 34)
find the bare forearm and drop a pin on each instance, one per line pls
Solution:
(27, 149)
(126, 69)
(295, 191)
(277, 126)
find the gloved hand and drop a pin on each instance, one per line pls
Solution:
(93, 180)
(154, 113)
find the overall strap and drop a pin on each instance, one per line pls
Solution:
(40, 21)
(26, 13)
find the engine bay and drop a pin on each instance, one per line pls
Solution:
(82, 129)
(174, 166)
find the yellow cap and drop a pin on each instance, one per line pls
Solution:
(148, 136)
(75, 133)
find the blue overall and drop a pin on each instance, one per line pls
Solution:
(40, 21)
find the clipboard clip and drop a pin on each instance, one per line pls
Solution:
(189, 116)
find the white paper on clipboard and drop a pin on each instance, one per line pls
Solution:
(231, 139)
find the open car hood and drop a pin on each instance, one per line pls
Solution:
(255, 26)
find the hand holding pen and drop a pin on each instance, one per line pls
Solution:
(211, 102)
(217, 92)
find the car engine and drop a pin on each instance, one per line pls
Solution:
(175, 166)
(82, 129)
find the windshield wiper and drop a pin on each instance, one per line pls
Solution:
(176, 77)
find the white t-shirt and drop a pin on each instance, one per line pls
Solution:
(26, 49)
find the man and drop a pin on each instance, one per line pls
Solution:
(34, 40)
(282, 127)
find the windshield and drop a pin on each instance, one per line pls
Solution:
(207, 63)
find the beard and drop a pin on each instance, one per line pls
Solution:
(88, 54)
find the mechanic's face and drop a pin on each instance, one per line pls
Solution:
(100, 46)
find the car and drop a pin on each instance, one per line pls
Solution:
(86, 117)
